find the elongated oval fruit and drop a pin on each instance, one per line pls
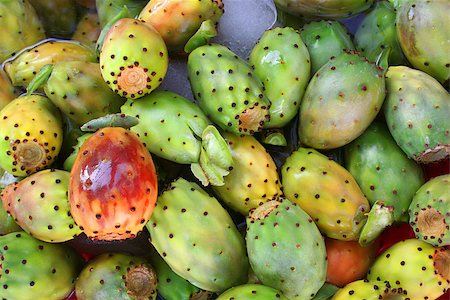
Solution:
(113, 185)
(252, 291)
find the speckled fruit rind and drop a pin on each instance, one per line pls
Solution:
(112, 192)
(7, 93)
(227, 89)
(416, 111)
(341, 101)
(39, 205)
(7, 223)
(281, 61)
(116, 276)
(30, 136)
(22, 69)
(88, 30)
(108, 9)
(285, 249)
(253, 178)
(414, 266)
(203, 245)
(133, 58)
(327, 192)
(364, 289)
(32, 269)
(59, 18)
(429, 212)
(252, 291)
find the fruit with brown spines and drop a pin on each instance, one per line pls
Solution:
(20, 25)
(286, 249)
(33, 269)
(203, 245)
(40, 206)
(227, 89)
(325, 39)
(7, 92)
(31, 135)
(429, 212)
(327, 192)
(419, 269)
(24, 67)
(253, 178)
(369, 290)
(117, 276)
(252, 291)
(281, 61)
(108, 9)
(88, 30)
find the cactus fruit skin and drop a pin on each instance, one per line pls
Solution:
(253, 178)
(416, 111)
(251, 291)
(285, 249)
(79, 91)
(88, 30)
(7, 93)
(341, 101)
(369, 290)
(178, 20)
(22, 69)
(107, 9)
(33, 269)
(227, 89)
(423, 32)
(21, 27)
(325, 39)
(377, 32)
(281, 61)
(416, 267)
(429, 212)
(7, 223)
(138, 68)
(327, 192)
(112, 192)
(29, 141)
(39, 204)
(203, 246)
(116, 276)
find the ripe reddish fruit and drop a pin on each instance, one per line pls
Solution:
(113, 185)
(393, 234)
(348, 261)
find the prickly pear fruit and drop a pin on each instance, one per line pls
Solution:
(22, 69)
(70, 160)
(138, 68)
(251, 291)
(377, 32)
(327, 192)
(88, 30)
(7, 93)
(112, 192)
(429, 212)
(32, 269)
(178, 20)
(281, 61)
(39, 204)
(227, 89)
(116, 276)
(107, 9)
(346, 83)
(369, 290)
(7, 223)
(423, 32)
(285, 249)
(416, 267)
(20, 25)
(29, 141)
(416, 111)
(253, 178)
(203, 246)
(324, 40)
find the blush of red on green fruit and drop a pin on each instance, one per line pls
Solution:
(348, 261)
(113, 185)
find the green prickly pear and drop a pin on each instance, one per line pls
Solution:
(341, 101)
(32, 269)
(324, 40)
(203, 246)
(327, 192)
(227, 89)
(107, 9)
(369, 290)
(117, 276)
(416, 111)
(416, 267)
(29, 141)
(7, 223)
(70, 160)
(252, 291)
(139, 68)
(285, 249)
(281, 61)
(429, 211)
(253, 178)
(88, 30)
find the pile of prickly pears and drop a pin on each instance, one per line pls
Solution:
(309, 163)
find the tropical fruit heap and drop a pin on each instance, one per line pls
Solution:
(315, 168)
